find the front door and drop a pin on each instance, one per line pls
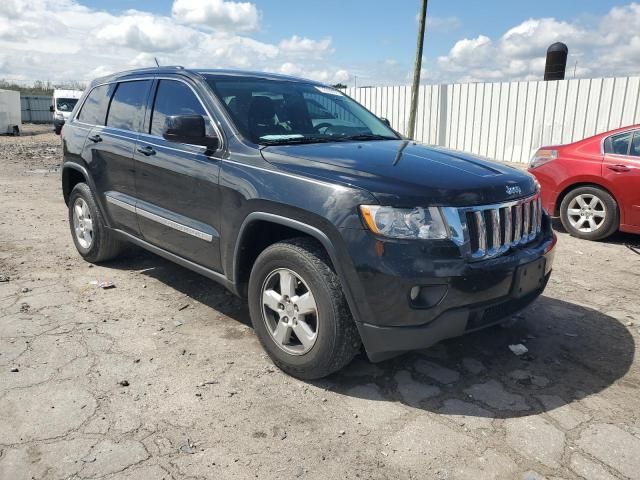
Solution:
(177, 183)
(621, 167)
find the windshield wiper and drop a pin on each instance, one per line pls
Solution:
(369, 136)
(295, 140)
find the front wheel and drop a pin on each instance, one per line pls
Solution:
(299, 312)
(589, 213)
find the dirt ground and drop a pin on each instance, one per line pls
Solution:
(162, 376)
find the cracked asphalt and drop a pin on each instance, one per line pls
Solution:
(162, 377)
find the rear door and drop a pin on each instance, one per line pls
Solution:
(110, 146)
(621, 167)
(177, 183)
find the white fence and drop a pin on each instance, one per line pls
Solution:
(508, 121)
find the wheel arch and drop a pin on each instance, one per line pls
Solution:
(283, 227)
(74, 173)
(246, 250)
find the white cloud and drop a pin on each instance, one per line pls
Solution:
(442, 24)
(145, 32)
(326, 75)
(305, 46)
(62, 40)
(219, 14)
(609, 48)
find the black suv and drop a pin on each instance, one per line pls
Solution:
(339, 231)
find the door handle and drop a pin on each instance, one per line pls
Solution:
(148, 151)
(618, 168)
(95, 138)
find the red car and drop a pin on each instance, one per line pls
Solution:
(593, 185)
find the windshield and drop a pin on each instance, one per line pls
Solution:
(282, 111)
(66, 104)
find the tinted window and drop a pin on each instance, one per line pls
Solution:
(175, 98)
(95, 106)
(618, 144)
(127, 105)
(635, 145)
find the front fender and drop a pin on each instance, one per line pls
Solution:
(332, 241)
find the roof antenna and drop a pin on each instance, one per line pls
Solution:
(157, 64)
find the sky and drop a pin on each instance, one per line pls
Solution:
(363, 42)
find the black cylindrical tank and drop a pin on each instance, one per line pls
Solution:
(556, 61)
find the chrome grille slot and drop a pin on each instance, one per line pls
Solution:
(493, 229)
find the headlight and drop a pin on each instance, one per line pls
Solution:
(543, 156)
(423, 223)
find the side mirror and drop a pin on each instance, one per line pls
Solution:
(188, 129)
(386, 122)
(51, 108)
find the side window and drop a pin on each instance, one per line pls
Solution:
(175, 98)
(127, 105)
(94, 109)
(618, 144)
(635, 145)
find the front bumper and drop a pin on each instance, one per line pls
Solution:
(478, 294)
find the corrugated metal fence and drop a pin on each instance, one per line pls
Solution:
(35, 108)
(508, 121)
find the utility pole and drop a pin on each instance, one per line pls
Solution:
(415, 88)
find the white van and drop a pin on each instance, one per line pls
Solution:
(62, 104)
(10, 113)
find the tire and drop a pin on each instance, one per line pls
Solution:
(101, 244)
(57, 130)
(589, 213)
(336, 337)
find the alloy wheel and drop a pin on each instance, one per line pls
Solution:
(586, 213)
(82, 223)
(290, 311)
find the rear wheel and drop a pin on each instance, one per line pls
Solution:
(299, 312)
(589, 213)
(93, 240)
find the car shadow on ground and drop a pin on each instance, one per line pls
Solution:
(183, 280)
(573, 352)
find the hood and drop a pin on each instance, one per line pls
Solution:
(402, 173)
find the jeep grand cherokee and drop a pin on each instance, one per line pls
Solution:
(339, 231)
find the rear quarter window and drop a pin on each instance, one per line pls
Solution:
(94, 109)
(618, 144)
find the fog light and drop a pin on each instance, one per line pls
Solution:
(427, 296)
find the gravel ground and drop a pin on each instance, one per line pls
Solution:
(162, 376)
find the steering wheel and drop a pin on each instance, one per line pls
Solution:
(322, 125)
